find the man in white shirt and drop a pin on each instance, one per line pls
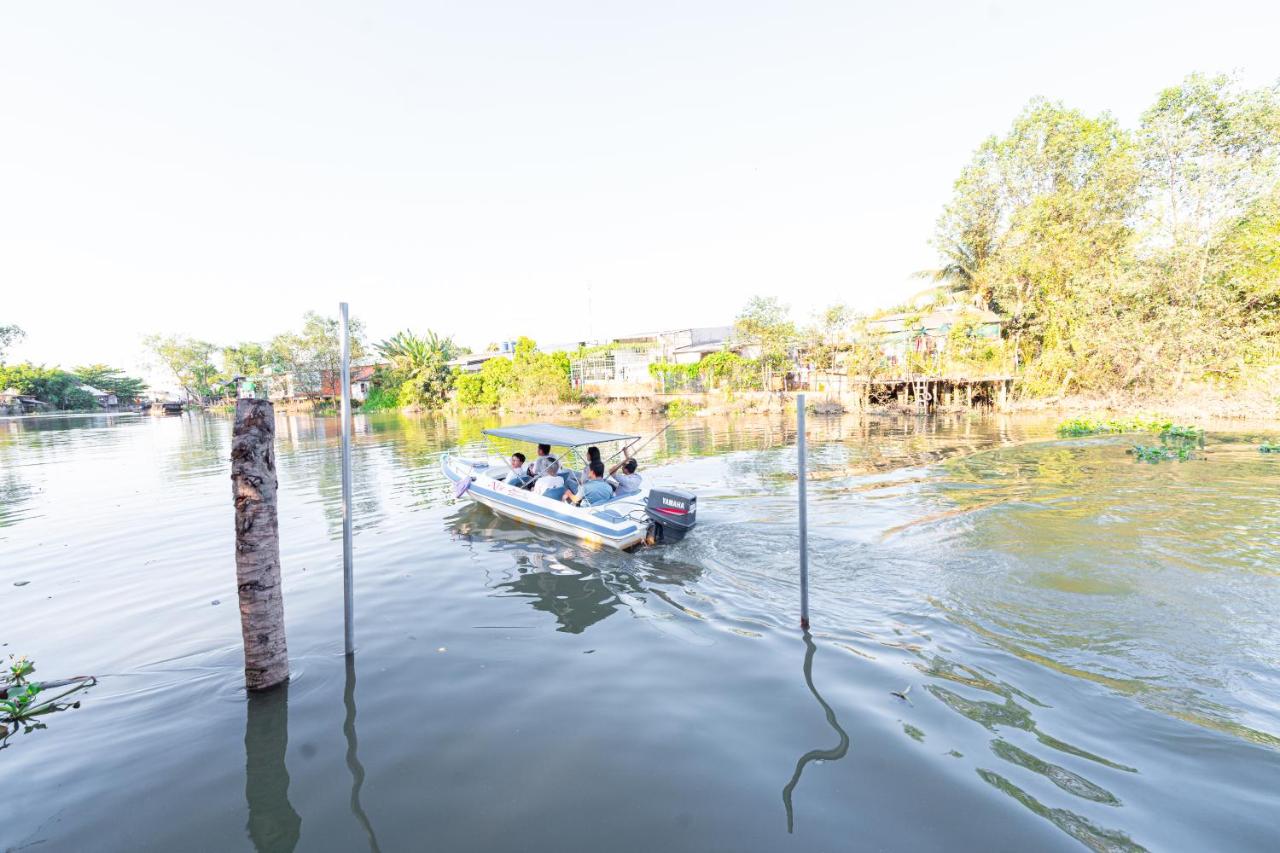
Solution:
(543, 459)
(627, 480)
(550, 482)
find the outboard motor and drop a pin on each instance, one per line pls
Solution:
(673, 513)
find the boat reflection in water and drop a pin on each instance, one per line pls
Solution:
(578, 586)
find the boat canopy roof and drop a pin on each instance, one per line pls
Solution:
(559, 436)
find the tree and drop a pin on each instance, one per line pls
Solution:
(48, 384)
(764, 323)
(245, 359)
(112, 380)
(189, 361)
(1125, 260)
(314, 355)
(8, 336)
(419, 366)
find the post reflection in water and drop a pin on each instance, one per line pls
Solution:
(353, 757)
(833, 754)
(273, 824)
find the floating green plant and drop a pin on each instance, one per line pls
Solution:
(1091, 426)
(22, 700)
(1269, 448)
(1188, 433)
(1160, 452)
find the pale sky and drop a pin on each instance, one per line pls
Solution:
(216, 169)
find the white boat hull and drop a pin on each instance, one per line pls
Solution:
(609, 525)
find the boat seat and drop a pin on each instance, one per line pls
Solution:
(555, 494)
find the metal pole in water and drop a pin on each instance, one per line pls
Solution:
(804, 514)
(348, 591)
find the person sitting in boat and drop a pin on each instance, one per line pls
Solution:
(517, 477)
(628, 481)
(550, 484)
(574, 479)
(595, 491)
(544, 459)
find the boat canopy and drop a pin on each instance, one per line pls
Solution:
(556, 435)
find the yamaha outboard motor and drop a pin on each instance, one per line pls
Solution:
(673, 513)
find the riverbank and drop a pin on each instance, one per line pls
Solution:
(1198, 404)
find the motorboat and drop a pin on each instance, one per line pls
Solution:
(648, 516)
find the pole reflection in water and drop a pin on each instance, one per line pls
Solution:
(273, 824)
(833, 754)
(353, 758)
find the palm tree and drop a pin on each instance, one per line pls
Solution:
(962, 258)
(420, 364)
(413, 354)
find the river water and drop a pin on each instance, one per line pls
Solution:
(1091, 646)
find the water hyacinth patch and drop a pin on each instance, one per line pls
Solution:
(1161, 452)
(1077, 427)
(1189, 433)
(1269, 448)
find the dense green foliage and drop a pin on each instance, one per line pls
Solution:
(51, 385)
(418, 370)
(1128, 259)
(718, 371)
(528, 379)
(112, 380)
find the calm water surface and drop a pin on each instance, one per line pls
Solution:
(1092, 647)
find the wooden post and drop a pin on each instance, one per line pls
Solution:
(253, 487)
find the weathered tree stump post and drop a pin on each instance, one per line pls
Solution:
(253, 487)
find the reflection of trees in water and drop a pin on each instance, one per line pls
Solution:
(1009, 713)
(834, 753)
(309, 455)
(200, 444)
(1077, 826)
(14, 491)
(29, 445)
